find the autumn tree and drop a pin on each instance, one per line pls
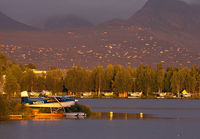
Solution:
(78, 79)
(195, 73)
(40, 84)
(160, 76)
(98, 79)
(167, 80)
(108, 78)
(11, 85)
(17, 72)
(3, 64)
(123, 81)
(144, 78)
(54, 81)
(176, 82)
(28, 80)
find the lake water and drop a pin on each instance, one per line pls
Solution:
(171, 119)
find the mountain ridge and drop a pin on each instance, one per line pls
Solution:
(9, 24)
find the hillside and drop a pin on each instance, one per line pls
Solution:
(165, 32)
(8, 24)
(168, 15)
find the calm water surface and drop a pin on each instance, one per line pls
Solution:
(176, 119)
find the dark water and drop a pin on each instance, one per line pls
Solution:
(175, 119)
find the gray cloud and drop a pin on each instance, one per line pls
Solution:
(35, 11)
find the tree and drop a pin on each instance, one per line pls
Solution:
(144, 79)
(77, 79)
(195, 73)
(167, 80)
(176, 83)
(122, 82)
(109, 76)
(4, 109)
(28, 80)
(134, 76)
(98, 78)
(3, 64)
(11, 85)
(40, 84)
(17, 72)
(30, 66)
(160, 75)
(188, 82)
(54, 81)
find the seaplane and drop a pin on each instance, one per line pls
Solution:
(48, 101)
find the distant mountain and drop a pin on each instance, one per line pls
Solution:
(69, 21)
(8, 24)
(167, 15)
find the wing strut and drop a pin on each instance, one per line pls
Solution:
(60, 104)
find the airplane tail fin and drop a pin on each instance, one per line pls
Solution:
(24, 97)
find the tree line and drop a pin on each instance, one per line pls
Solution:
(114, 78)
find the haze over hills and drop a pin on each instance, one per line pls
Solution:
(164, 32)
(8, 24)
(69, 21)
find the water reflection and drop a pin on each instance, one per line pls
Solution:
(123, 116)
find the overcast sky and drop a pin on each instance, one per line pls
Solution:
(96, 11)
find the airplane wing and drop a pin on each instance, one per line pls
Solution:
(67, 96)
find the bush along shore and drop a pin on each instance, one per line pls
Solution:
(12, 107)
